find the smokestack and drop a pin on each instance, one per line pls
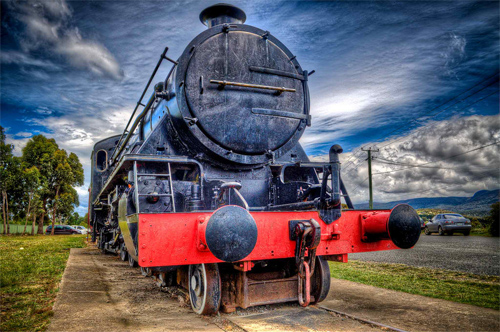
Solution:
(222, 13)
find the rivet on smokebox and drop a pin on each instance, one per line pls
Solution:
(144, 259)
(143, 220)
(201, 219)
(143, 246)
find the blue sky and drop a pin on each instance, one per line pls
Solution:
(73, 70)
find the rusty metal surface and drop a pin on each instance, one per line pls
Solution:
(246, 289)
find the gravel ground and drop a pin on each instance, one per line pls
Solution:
(471, 254)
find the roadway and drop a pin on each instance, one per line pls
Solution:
(470, 254)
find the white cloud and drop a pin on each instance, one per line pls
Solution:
(23, 134)
(435, 146)
(48, 26)
(15, 57)
(43, 110)
(90, 55)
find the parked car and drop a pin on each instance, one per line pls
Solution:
(448, 223)
(62, 229)
(82, 229)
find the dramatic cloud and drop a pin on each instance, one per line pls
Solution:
(441, 149)
(47, 26)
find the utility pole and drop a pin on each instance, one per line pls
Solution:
(370, 185)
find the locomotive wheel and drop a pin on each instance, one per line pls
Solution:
(146, 271)
(320, 281)
(204, 288)
(123, 253)
(131, 261)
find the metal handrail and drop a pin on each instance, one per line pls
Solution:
(278, 89)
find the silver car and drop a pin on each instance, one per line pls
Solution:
(448, 223)
(82, 229)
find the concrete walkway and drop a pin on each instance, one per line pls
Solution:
(101, 293)
(407, 311)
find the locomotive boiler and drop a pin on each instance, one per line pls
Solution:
(209, 188)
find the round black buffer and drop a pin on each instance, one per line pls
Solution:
(231, 233)
(404, 226)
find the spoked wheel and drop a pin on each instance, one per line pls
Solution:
(123, 253)
(320, 280)
(440, 231)
(131, 261)
(166, 279)
(146, 271)
(204, 288)
(426, 231)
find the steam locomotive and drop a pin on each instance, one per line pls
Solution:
(208, 188)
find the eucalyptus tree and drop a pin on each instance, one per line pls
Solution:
(30, 186)
(39, 152)
(9, 166)
(68, 172)
(59, 172)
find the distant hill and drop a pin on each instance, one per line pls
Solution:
(479, 204)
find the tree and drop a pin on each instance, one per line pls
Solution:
(74, 219)
(58, 174)
(39, 152)
(85, 220)
(31, 184)
(37, 208)
(494, 219)
(9, 178)
(68, 173)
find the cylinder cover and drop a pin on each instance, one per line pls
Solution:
(252, 119)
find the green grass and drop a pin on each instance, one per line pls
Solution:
(454, 286)
(480, 231)
(30, 270)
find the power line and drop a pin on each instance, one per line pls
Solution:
(393, 162)
(432, 162)
(359, 185)
(410, 165)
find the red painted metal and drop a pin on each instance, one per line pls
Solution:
(174, 238)
(375, 223)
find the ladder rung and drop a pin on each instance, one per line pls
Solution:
(144, 174)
